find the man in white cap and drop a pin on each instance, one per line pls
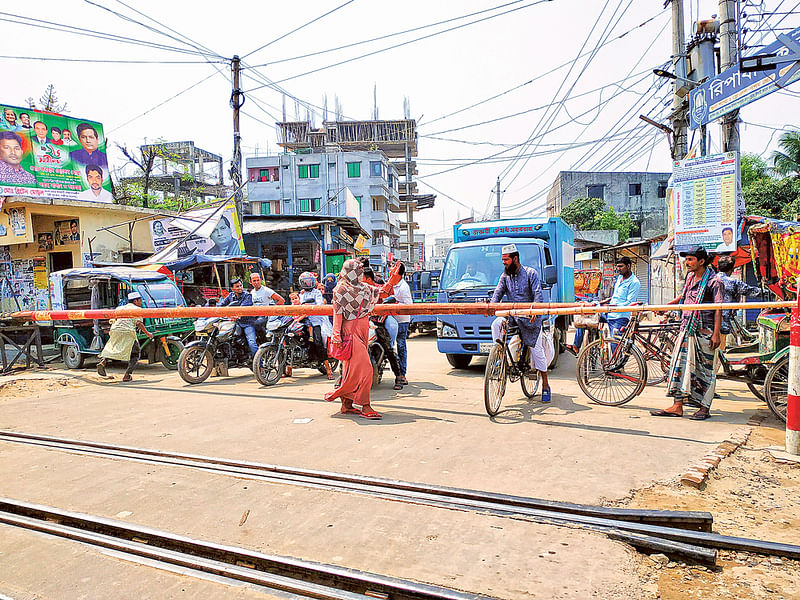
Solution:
(122, 343)
(522, 284)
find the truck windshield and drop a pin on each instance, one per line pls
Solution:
(481, 266)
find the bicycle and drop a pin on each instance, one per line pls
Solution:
(656, 343)
(612, 370)
(501, 366)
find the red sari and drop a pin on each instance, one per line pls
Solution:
(357, 370)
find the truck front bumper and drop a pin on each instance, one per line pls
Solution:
(464, 346)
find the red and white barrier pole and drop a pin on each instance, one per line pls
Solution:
(793, 398)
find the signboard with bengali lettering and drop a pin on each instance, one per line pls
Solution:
(704, 196)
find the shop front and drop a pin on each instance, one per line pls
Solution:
(40, 236)
(297, 244)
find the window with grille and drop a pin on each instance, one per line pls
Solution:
(354, 169)
(313, 171)
(302, 171)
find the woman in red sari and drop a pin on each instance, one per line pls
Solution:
(353, 300)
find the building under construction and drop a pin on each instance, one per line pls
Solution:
(396, 139)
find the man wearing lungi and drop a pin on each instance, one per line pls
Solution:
(692, 376)
(522, 284)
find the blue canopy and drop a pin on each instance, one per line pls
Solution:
(202, 259)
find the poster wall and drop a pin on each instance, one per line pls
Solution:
(52, 156)
(705, 201)
(217, 231)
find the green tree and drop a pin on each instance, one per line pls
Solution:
(786, 161)
(753, 168)
(776, 198)
(592, 213)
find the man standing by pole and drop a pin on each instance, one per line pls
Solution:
(403, 295)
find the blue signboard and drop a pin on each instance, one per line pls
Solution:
(734, 88)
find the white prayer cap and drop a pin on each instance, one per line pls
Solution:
(134, 296)
(509, 249)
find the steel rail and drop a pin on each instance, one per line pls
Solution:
(498, 505)
(695, 520)
(311, 478)
(309, 579)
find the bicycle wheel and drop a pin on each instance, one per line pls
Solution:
(776, 387)
(494, 379)
(658, 358)
(529, 386)
(606, 383)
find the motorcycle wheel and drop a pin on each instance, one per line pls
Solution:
(377, 372)
(195, 364)
(269, 364)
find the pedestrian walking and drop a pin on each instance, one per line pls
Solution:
(692, 377)
(122, 341)
(353, 300)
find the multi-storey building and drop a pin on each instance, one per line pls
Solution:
(317, 184)
(642, 195)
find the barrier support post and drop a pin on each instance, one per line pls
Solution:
(793, 396)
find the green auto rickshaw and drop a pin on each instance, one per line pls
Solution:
(108, 287)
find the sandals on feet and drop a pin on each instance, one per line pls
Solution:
(371, 415)
(101, 369)
(349, 411)
(398, 385)
(664, 413)
(546, 396)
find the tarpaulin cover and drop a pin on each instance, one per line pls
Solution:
(201, 259)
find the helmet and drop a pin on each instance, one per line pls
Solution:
(308, 281)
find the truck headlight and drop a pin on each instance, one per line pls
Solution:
(443, 330)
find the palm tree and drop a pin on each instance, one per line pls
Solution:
(786, 161)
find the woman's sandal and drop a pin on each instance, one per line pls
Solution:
(398, 385)
(349, 411)
(371, 415)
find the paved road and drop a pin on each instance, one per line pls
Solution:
(434, 431)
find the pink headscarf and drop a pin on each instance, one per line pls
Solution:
(352, 298)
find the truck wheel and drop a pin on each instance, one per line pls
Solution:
(459, 361)
(72, 357)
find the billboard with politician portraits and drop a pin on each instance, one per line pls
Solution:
(48, 155)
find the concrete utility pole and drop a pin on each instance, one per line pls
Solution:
(237, 99)
(728, 56)
(497, 191)
(679, 117)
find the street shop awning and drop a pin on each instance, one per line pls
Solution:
(126, 273)
(252, 226)
(258, 224)
(204, 259)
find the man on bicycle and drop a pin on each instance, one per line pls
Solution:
(522, 284)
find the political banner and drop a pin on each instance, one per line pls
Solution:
(215, 231)
(48, 155)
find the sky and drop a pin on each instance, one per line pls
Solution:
(550, 85)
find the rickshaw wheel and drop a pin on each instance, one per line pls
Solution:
(776, 387)
(170, 361)
(758, 390)
(72, 357)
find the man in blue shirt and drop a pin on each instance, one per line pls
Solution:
(626, 292)
(89, 153)
(239, 297)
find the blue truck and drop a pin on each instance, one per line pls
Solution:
(473, 267)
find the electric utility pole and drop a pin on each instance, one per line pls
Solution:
(409, 207)
(237, 100)
(497, 191)
(679, 116)
(728, 56)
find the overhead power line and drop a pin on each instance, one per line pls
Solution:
(394, 46)
(296, 29)
(108, 61)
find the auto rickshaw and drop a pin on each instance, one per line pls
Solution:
(764, 359)
(108, 287)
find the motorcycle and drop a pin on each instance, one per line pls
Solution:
(288, 343)
(220, 344)
(377, 354)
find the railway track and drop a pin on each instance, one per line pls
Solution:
(678, 533)
(301, 578)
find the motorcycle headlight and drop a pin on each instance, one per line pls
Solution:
(443, 330)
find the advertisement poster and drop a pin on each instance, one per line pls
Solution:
(52, 156)
(66, 232)
(216, 231)
(705, 199)
(45, 241)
